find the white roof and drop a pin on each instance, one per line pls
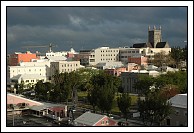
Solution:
(56, 58)
(28, 76)
(89, 118)
(132, 64)
(179, 100)
(151, 67)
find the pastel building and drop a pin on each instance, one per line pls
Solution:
(116, 71)
(92, 119)
(140, 60)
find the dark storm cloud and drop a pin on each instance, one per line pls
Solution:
(91, 27)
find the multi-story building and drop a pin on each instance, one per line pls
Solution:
(22, 73)
(15, 59)
(64, 66)
(95, 56)
(126, 53)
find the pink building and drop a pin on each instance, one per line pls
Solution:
(141, 60)
(14, 99)
(92, 119)
(70, 55)
(132, 66)
(116, 71)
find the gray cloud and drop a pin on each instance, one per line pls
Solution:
(91, 27)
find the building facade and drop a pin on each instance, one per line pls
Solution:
(99, 55)
(15, 59)
(130, 78)
(64, 66)
(16, 70)
(179, 116)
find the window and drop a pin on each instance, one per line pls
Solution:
(32, 80)
(40, 69)
(29, 70)
(107, 122)
(27, 81)
(102, 122)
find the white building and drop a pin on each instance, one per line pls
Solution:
(16, 70)
(28, 79)
(125, 53)
(102, 54)
(61, 53)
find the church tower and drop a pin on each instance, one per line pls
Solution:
(154, 36)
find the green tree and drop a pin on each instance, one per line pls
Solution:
(124, 104)
(20, 87)
(102, 92)
(106, 98)
(154, 109)
(160, 59)
(40, 90)
(178, 78)
(143, 84)
(178, 54)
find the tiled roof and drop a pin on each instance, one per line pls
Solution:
(89, 119)
(179, 100)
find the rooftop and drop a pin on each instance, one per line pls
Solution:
(179, 100)
(89, 118)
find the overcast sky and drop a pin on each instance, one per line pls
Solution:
(92, 27)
